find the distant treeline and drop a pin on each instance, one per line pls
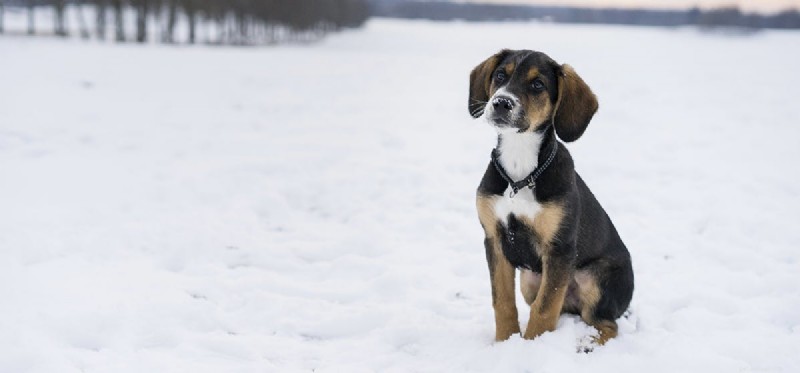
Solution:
(218, 21)
(445, 11)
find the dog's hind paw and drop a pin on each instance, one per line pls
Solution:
(584, 349)
(586, 344)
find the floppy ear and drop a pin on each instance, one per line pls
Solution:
(575, 106)
(479, 80)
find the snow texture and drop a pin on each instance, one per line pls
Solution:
(299, 208)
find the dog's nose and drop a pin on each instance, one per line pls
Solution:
(502, 104)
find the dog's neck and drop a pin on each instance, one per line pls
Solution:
(518, 153)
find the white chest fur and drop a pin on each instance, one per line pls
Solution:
(518, 154)
(523, 204)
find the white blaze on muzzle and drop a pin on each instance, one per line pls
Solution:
(498, 105)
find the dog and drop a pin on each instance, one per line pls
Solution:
(537, 213)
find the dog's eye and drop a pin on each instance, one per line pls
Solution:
(500, 76)
(537, 84)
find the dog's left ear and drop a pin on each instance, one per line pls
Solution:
(479, 81)
(575, 106)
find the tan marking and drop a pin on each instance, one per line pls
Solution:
(607, 329)
(485, 205)
(549, 302)
(529, 283)
(509, 68)
(588, 294)
(539, 109)
(545, 224)
(505, 306)
(502, 274)
(532, 73)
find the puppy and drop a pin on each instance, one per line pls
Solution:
(537, 213)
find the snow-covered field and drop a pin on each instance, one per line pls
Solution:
(311, 208)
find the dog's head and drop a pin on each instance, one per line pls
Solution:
(525, 90)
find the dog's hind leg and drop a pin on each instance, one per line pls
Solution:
(601, 306)
(529, 282)
(607, 330)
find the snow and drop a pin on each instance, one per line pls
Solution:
(303, 208)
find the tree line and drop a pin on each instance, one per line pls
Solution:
(213, 21)
(706, 18)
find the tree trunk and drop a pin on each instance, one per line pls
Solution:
(141, 20)
(244, 30)
(31, 18)
(2, 11)
(191, 13)
(221, 31)
(155, 10)
(60, 22)
(172, 15)
(84, 30)
(119, 20)
(100, 23)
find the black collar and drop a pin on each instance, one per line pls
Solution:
(530, 180)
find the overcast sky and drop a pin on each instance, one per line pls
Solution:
(749, 5)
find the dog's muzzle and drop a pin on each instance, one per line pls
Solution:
(502, 111)
(502, 105)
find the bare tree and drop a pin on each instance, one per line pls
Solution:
(60, 20)
(142, 8)
(31, 17)
(155, 8)
(2, 13)
(119, 20)
(191, 13)
(84, 30)
(233, 21)
(100, 18)
(725, 16)
(172, 16)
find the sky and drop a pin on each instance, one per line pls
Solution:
(764, 6)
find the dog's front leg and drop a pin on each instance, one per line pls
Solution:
(502, 275)
(545, 310)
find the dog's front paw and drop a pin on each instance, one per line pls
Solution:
(531, 335)
(504, 332)
(536, 329)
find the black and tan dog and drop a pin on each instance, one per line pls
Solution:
(538, 214)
